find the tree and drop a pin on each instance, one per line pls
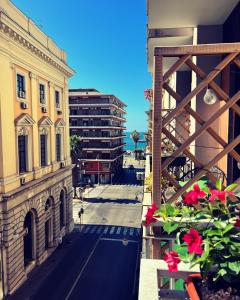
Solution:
(75, 147)
(135, 137)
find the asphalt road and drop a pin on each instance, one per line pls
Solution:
(100, 259)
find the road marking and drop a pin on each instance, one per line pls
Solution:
(87, 229)
(112, 230)
(83, 268)
(105, 230)
(117, 240)
(99, 229)
(125, 230)
(118, 230)
(93, 229)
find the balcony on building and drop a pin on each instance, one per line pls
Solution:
(177, 150)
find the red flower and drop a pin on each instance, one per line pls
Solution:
(220, 195)
(172, 259)
(193, 241)
(193, 196)
(237, 223)
(149, 215)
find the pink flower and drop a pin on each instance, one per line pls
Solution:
(237, 223)
(220, 195)
(149, 215)
(193, 196)
(172, 259)
(193, 241)
(148, 94)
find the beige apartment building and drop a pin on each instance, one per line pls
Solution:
(35, 166)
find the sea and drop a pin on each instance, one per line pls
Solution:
(130, 144)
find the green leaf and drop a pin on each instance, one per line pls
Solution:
(234, 266)
(219, 184)
(170, 210)
(182, 183)
(219, 224)
(169, 227)
(222, 272)
(228, 228)
(231, 187)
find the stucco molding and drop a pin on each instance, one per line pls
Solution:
(24, 120)
(62, 67)
(45, 121)
(60, 123)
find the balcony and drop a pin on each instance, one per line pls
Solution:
(102, 147)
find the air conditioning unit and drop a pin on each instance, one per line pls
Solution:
(21, 94)
(24, 105)
(22, 180)
(62, 164)
(44, 109)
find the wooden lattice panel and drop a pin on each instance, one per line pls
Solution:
(185, 54)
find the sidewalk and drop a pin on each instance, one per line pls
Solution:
(40, 273)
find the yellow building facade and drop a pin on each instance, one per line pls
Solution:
(35, 165)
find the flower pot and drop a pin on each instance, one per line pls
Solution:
(190, 287)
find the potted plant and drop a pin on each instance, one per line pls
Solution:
(207, 227)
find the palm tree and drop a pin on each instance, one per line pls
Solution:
(135, 137)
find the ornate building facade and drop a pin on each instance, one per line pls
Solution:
(35, 166)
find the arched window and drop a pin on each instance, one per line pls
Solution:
(29, 238)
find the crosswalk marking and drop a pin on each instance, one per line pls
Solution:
(87, 229)
(105, 230)
(99, 229)
(93, 229)
(131, 231)
(112, 230)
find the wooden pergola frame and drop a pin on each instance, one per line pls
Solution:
(230, 53)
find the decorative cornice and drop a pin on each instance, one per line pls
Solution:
(25, 43)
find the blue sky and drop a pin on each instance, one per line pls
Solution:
(105, 41)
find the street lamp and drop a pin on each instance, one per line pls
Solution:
(97, 158)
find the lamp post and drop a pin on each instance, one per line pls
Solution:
(97, 158)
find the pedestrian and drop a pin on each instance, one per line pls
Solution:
(60, 241)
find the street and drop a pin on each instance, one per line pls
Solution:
(100, 258)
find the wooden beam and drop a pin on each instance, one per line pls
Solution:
(219, 156)
(237, 62)
(157, 129)
(204, 49)
(219, 92)
(175, 67)
(200, 87)
(207, 124)
(188, 154)
(169, 32)
(198, 118)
